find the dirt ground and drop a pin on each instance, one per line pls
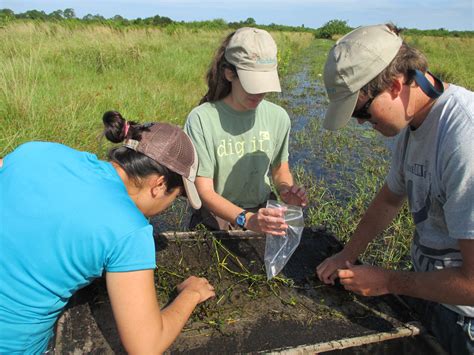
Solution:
(249, 313)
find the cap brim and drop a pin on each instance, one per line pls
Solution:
(192, 194)
(259, 82)
(340, 112)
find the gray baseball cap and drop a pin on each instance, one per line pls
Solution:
(353, 62)
(254, 54)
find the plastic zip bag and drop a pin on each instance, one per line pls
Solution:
(278, 249)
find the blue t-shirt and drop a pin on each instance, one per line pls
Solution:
(65, 218)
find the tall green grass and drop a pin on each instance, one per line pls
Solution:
(448, 57)
(57, 81)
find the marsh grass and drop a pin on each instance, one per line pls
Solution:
(56, 81)
(448, 57)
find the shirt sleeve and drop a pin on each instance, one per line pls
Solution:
(281, 147)
(133, 252)
(193, 128)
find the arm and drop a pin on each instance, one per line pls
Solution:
(290, 193)
(267, 220)
(380, 213)
(142, 326)
(451, 285)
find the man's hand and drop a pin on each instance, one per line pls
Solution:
(328, 269)
(364, 280)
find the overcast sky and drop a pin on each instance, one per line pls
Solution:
(422, 14)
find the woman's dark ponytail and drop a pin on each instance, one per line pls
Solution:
(136, 165)
(116, 129)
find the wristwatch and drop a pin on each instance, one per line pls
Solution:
(240, 219)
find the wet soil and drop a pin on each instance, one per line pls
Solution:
(249, 313)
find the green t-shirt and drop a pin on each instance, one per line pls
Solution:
(236, 149)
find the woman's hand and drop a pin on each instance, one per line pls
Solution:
(198, 285)
(294, 195)
(267, 220)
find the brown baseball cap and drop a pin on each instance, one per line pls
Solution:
(254, 53)
(169, 146)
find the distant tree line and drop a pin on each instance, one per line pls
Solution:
(7, 15)
(330, 30)
(338, 28)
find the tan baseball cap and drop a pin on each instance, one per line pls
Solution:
(353, 62)
(254, 54)
(169, 146)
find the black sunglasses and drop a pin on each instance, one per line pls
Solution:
(363, 112)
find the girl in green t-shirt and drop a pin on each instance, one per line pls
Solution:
(240, 138)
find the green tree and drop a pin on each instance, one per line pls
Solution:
(69, 13)
(34, 15)
(249, 22)
(138, 21)
(161, 20)
(6, 15)
(97, 17)
(118, 18)
(333, 28)
(56, 15)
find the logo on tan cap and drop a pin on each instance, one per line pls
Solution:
(254, 53)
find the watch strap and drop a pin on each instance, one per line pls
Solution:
(241, 219)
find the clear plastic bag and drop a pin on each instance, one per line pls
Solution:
(278, 249)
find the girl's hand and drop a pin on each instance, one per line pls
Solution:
(198, 285)
(294, 195)
(268, 220)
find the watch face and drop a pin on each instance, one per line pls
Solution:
(240, 220)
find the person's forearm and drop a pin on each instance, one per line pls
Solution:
(220, 206)
(380, 213)
(143, 328)
(282, 177)
(175, 316)
(450, 286)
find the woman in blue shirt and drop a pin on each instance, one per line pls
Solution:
(67, 217)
